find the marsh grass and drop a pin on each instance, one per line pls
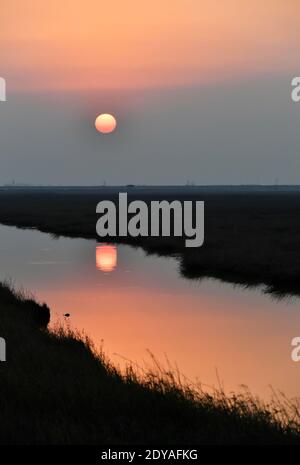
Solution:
(165, 378)
(57, 388)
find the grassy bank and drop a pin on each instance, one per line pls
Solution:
(251, 238)
(55, 389)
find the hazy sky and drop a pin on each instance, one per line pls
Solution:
(200, 89)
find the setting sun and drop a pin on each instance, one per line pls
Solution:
(105, 123)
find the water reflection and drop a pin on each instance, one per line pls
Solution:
(241, 333)
(106, 257)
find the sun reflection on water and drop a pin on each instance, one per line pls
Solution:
(106, 257)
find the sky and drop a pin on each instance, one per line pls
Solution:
(200, 89)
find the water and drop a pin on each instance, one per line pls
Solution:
(133, 302)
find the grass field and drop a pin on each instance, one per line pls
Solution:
(55, 389)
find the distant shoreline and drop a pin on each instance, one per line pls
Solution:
(236, 188)
(251, 238)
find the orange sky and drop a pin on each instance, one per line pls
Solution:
(134, 43)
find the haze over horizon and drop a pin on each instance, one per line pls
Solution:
(201, 96)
